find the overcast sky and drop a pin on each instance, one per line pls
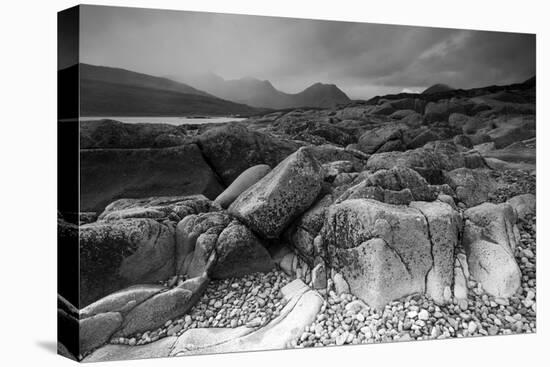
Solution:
(362, 59)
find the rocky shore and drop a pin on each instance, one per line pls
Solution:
(405, 217)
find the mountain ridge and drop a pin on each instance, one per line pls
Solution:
(261, 93)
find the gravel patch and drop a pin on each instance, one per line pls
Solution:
(251, 301)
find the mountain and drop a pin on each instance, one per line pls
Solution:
(437, 88)
(261, 93)
(106, 91)
(127, 77)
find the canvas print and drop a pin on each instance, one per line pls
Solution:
(234, 183)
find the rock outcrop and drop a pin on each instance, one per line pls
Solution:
(110, 174)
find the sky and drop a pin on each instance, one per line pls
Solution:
(362, 59)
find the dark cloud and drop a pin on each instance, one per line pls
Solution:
(362, 59)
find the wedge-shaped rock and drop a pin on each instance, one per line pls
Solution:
(241, 183)
(121, 253)
(160, 308)
(288, 190)
(444, 225)
(490, 237)
(121, 301)
(382, 250)
(239, 252)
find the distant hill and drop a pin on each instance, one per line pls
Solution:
(106, 91)
(261, 93)
(437, 88)
(526, 88)
(127, 77)
(532, 81)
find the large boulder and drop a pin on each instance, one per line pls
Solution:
(246, 179)
(373, 140)
(441, 110)
(288, 190)
(220, 246)
(382, 250)
(472, 187)
(423, 137)
(524, 205)
(232, 148)
(301, 234)
(239, 252)
(444, 226)
(110, 174)
(490, 237)
(196, 238)
(164, 207)
(117, 254)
